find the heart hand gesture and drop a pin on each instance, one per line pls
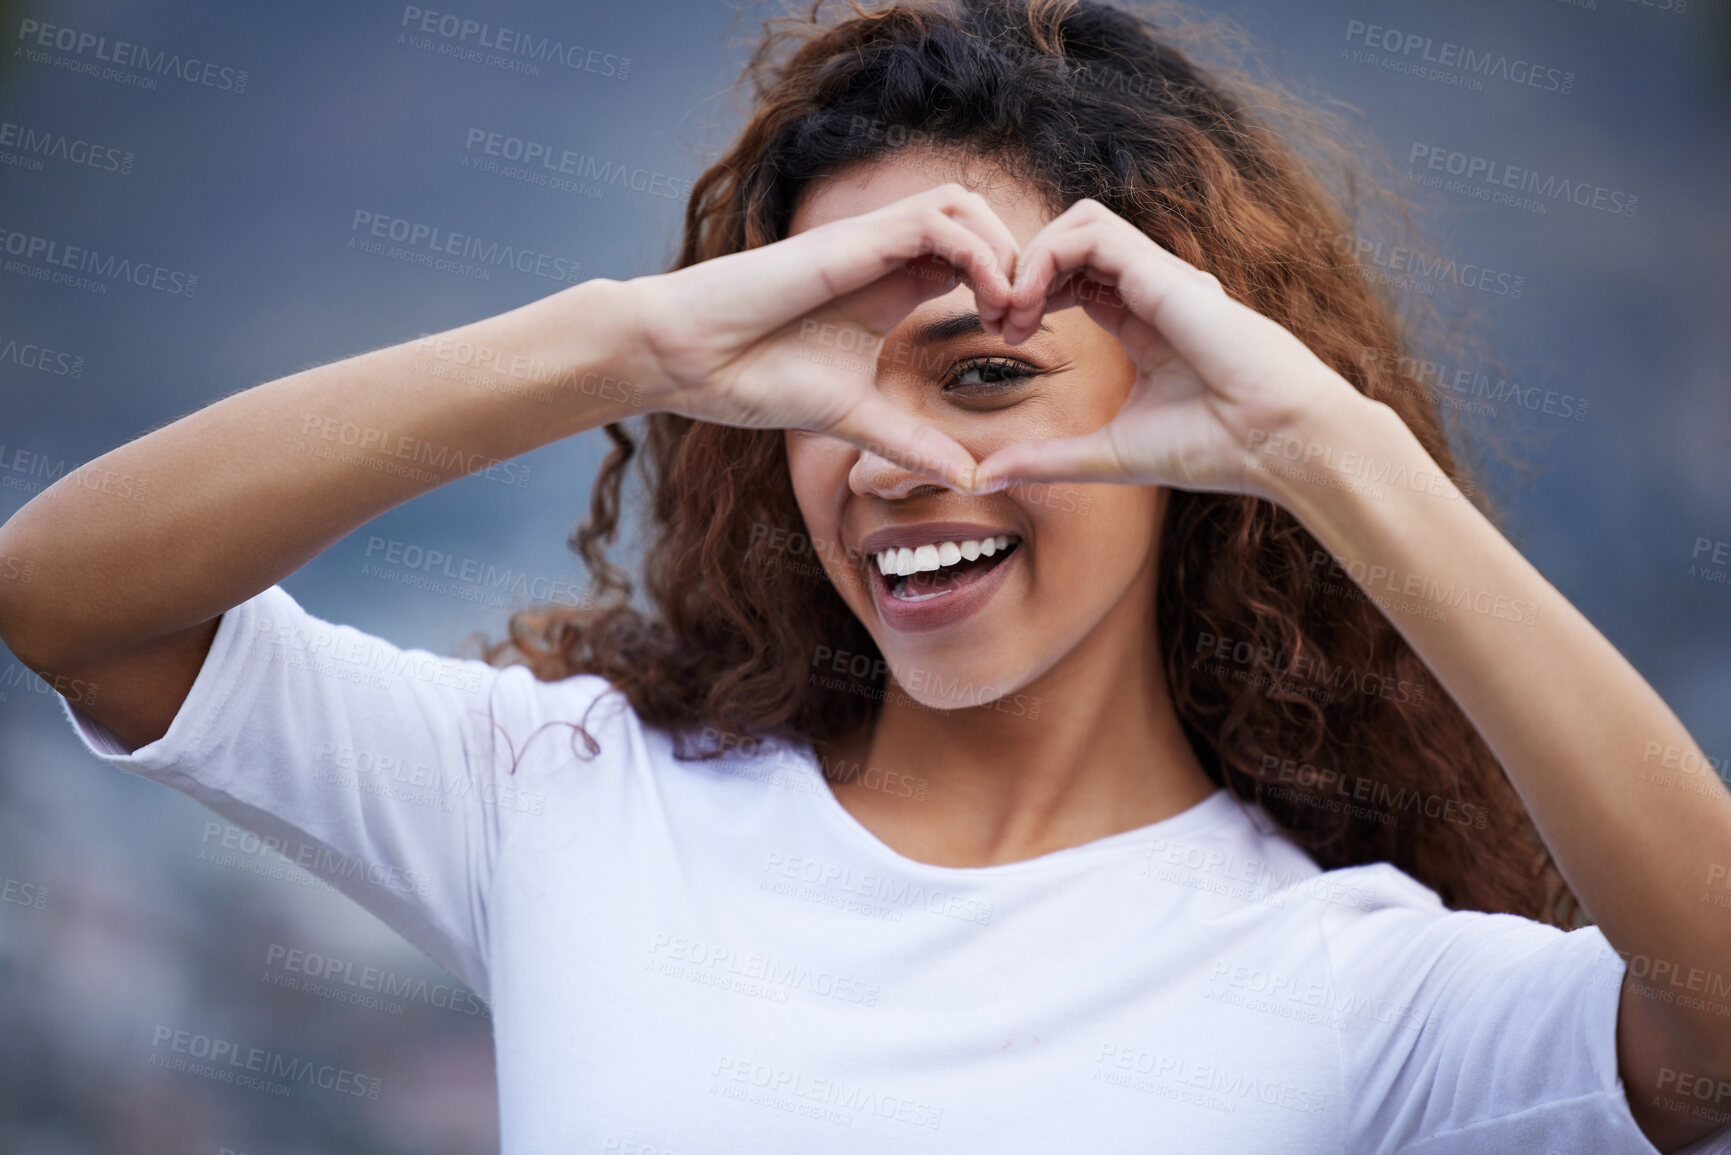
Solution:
(734, 340)
(1211, 372)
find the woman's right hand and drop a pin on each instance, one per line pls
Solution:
(200, 514)
(787, 335)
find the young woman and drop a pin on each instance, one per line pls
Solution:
(1074, 690)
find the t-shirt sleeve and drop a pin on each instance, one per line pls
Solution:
(1505, 1040)
(385, 771)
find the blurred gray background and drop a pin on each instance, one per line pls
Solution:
(112, 924)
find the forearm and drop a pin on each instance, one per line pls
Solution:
(179, 525)
(1571, 721)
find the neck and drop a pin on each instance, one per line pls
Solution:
(1090, 748)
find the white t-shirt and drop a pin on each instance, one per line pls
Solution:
(688, 956)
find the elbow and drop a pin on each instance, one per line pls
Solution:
(22, 590)
(20, 631)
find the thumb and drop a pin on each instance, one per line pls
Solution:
(876, 426)
(1090, 457)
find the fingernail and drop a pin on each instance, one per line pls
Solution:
(988, 486)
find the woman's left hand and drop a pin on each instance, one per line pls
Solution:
(1215, 379)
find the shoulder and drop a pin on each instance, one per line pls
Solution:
(1367, 900)
(586, 722)
(583, 717)
(1380, 929)
(1368, 918)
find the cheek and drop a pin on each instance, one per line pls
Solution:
(1091, 540)
(817, 468)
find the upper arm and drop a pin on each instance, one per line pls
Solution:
(1511, 1044)
(136, 694)
(379, 768)
(1676, 1096)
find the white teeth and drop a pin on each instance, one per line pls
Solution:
(899, 562)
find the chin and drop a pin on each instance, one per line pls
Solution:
(960, 684)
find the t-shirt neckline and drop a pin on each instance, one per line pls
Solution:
(1215, 808)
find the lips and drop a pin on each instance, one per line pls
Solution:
(935, 575)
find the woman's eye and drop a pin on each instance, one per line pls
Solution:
(990, 372)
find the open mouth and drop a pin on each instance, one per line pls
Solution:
(933, 571)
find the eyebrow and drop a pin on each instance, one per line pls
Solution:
(954, 326)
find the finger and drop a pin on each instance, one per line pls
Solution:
(1106, 307)
(1125, 244)
(993, 289)
(854, 329)
(1182, 307)
(972, 262)
(1091, 241)
(886, 302)
(825, 264)
(1071, 248)
(957, 226)
(1100, 301)
(879, 427)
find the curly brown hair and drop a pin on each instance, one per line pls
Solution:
(1292, 686)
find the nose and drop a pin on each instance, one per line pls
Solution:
(880, 477)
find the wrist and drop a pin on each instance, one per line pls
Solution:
(1338, 447)
(581, 348)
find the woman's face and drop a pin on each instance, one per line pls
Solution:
(1080, 562)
